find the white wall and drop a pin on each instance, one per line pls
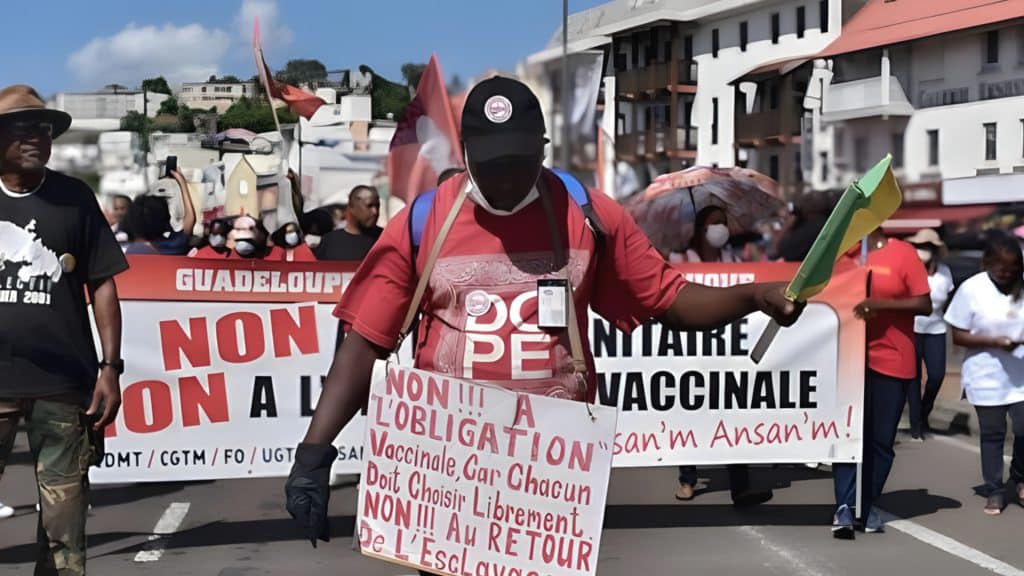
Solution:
(715, 74)
(962, 138)
(90, 106)
(877, 135)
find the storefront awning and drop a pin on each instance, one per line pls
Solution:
(911, 219)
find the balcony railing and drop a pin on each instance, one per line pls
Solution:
(658, 141)
(655, 142)
(626, 145)
(765, 125)
(686, 138)
(687, 72)
(639, 80)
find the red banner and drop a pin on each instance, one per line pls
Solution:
(169, 278)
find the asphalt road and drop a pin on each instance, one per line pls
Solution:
(239, 528)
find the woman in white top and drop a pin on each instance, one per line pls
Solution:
(987, 316)
(930, 331)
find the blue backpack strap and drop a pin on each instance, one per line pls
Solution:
(418, 213)
(574, 187)
(421, 205)
(579, 194)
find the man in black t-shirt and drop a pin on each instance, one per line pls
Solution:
(354, 240)
(55, 244)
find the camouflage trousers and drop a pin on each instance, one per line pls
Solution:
(61, 451)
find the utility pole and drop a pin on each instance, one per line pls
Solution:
(566, 156)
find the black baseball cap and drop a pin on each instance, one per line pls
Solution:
(502, 117)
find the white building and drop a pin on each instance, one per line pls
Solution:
(344, 146)
(103, 110)
(674, 63)
(944, 95)
(942, 91)
(219, 95)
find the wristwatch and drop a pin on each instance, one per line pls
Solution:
(117, 365)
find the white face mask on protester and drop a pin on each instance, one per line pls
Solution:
(291, 239)
(717, 235)
(312, 240)
(924, 255)
(217, 240)
(245, 247)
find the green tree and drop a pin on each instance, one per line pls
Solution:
(136, 122)
(227, 78)
(158, 84)
(412, 72)
(302, 71)
(169, 106)
(259, 92)
(186, 119)
(254, 115)
(386, 96)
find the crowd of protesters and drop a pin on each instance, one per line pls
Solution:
(146, 226)
(911, 305)
(906, 314)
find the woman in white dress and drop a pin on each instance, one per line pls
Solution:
(987, 316)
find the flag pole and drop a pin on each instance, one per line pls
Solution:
(258, 54)
(270, 99)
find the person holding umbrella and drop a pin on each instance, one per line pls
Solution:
(671, 210)
(711, 244)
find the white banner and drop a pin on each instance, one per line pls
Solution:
(226, 389)
(466, 479)
(698, 398)
(217, 390)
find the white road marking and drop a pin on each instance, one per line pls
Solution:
(794, 564)
(168, 523)
(973, 447)
(949, 545)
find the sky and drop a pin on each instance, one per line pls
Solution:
(70, 45)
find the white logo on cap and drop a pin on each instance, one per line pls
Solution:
(498, 109)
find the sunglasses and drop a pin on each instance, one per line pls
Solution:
(24, 130)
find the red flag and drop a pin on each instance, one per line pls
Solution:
(301, 102)
(425, 143)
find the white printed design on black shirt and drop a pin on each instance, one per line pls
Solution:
(28, 269)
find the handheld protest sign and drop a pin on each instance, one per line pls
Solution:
(863, 207)
(452, 466)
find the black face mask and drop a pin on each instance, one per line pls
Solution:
(505, 181)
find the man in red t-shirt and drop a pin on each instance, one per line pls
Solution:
(480, 311)
(899, 292)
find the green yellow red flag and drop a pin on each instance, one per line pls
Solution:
(863, 207)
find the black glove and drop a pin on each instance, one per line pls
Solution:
(307, 490)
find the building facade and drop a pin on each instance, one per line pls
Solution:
(103, 110)
(954, 112)
(219, 95)
(675, 63)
